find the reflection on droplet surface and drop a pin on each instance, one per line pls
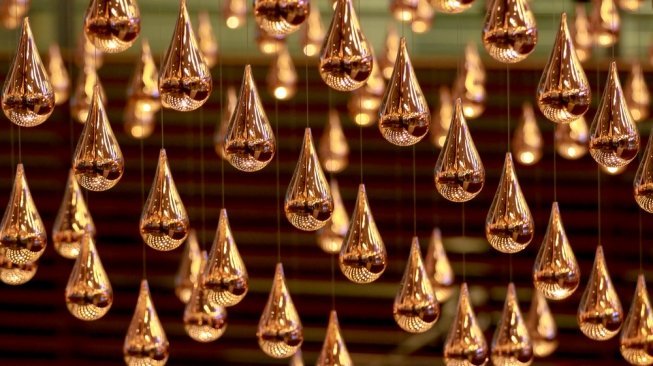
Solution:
(438, 268)
(72, 222)
(15, 274)
(510, 30)
(334, 350)
(636, 341)
(541, 326)
(643, 183)
(281, 17)
(452, 6)
(112, 25)
(465, 344)
(511, 344)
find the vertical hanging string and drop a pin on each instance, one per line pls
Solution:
(555, 167)
(143, 254)
(508, 146)
(598, 199)
(277, 164)
(306, 77)
(641, 247)
(223, 105)
(202, 183)
(414, 195)
(333, 261)
(360, 108)
(463, 236)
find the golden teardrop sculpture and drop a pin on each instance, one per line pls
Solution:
(556, 273)
(72, 222)
(509, 226)
(541, 326)
(452, 6)
(112, 25)
(563, 93)
(143, 90)
(441, 119)
(605, 22)
(600, 314)
(403, 10)
(234, 13)
(334, 350)
(189, 268)
(87, 54)
(465, 344)
(249, 143)
(527, 138)
(313, 33)
(636, 93)
(363, 257)
(146, 342)
(12, 12)
(137, 123)
(297, 359)
(630, 5)
(269, 44)
(282, 76)
(89, 295)
(27, 94)
(228, 108)
(98, 161)
(280, 332)
(164, 222)
(364, 102)
(404, 115)
(415, 309)
(572, 138)
(390, 51)
(438, 268)
(614, 139)
(15, 274)
(510, 30)
(58, 75)
(333, 149)
(308, 204)
(469, 84)
(206, 39)
(331, 236)
(281, 17)
(225, 278)
(636, 340)
(185, 81)
(459, 172)
(643, 183)
(423, 19)
(346, 56)
(583, 39)
(22, 232)
(511, 344)
(80, 102)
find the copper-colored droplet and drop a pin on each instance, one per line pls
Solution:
(438, 268)
(281, 17)
(87, 54)
(364, 102)
(614, 139)
(541, 326)
(403, 10)
(189, 268)
(72, 222)
(206, 39)
(89, 295)
(297, 359)
(185, 82)
(12, 12)
(146, 342)
(459, 172)
(346, 56)
(636, 93)
(334, 350)
(313, 33)
(27, 94)
(164, 222)
(563, 93)
(469, 85)
(58, 75)
(225, 278)
(510, 30)
(441, 119)
(465, 344)
(613, 170)
(82, 98)
(636, 341)
(331, 236)
(605, 22)
(22, 232)
(630, 5)
(390, 51)
(282, 76)
(643, 183)
(269, 44)
(511, 344)
(280, 332)
(98, 162)
(527, 138)
(222, 126)
(583, 39)
(333, 148)
(249, 143)
(137, 123)
(452, 6)
(112, 25)
(234, 13)
(15, 274)
(423, 17)
(556, 273)
(143, 89)
(572, 138)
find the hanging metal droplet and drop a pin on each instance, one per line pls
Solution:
(441, 119)
(12, 12)
(333, 149)
(556, 273)
(511, 344)
(613, 170)
(136, 122)
(282, 76)
(605, 22)
(363, 257)
(249, 143)
(465, 344)
(225, 278)
(346, 57)
(164, 222)
(364, 102)
(234, 13)
(563, 93)
(583, 40)
(541, 326)
(98, 161)
(185, 82)
(636, 93)
(614, 139)
(630, 5)
(72, 222)
(572, 138)
(600, 314)
(269, 44)
(206, 39)
(334, 350)
(509, 225)
(87, 54)
(22, 232)
(58, 75)
(221, 128)
(390, 51)
(423, 17)
(403, 10)
(636, 340)
(452, 6)
(80, 102)
(527, 138)
(15, 274)
(280, 332)
(331, 236)
(297, 359)
(281, 17)
(189, 268)
(27, 94)
(459, 172)
(143, 91)
(146, 342)
(643, 183)
(313, 33)
(510, 30)
(469, 85)
(89, 295)
(112, 25)
(438, 268)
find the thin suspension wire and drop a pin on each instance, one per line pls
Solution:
(598, 200)
(414, 194)
(202, 182)
(508, 104)
(306, 77)
(20, 146)
(277, 165)
(360, 126)
(144, 250)
(555, 167)
(222, 107)
(641, 246)
(462, 211)
(333, 261)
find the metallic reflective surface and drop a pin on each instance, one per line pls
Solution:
(281, 17)
(333, 149)
(636, 340)
(82, 98)
(441, 119)
(58, 74)
(73, 220)
(112, 25)
(438, 268)
(87, 54)
(452, 6)
(206, 39)
(527, 138)
(228, 107)
(465, 344)
(331, 236)
(605, 22)
(636, 93)
(511, 344)
(572, 138)
(313, 33)
(15, 274)
(510, 31)
(282, 76)
(469, 84)
(189, 268)
(643, 183)
(334, 350)
(541, 326)
(365, 101)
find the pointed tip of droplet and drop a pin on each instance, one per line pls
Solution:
(308, 135)
(464, 290)
(223, 213)
(512, 292)
(555, 207)
(599, 253)
(20, 169)
(361, 189)
(641, 282)
(145, 285)
(162, 154)
(563, 17)
(414, 245)
(436, 233)
(333, 317)
(278, 272)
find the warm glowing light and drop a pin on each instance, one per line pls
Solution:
(233, 22)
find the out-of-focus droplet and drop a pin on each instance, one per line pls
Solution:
(605, 22)
(89, 295)
(452, 6)
(583, 39)
(98, 161)
(614, 139)
(643, 183)
(390, 51)
(146, 342)
(346, 56)
(509, 226)
(112, 25)
(27, 94)
(143, 91)
(465, 344)
(22, 232)
(459, 172)
(572, 138)
(280, 332)
(636, 341)
(511, 344)
(206, 39)
(469, 85)
(563, 93)
(441, 119)
(415, 309)
(630, 5)
(423, 17)
(164, 222)
(404, 115)
(308, 204)
(364, 102)
(334, 350)
(541, 326)
(510, 30)
(636, 93)
(269, 44)
(297, 359)
(136, 122)
(556, 273)
(15, 274)
(313, 33)
(82, 98)
(613, 170)
(249, 143)
(87, 54)
(331, 236)
(72, 222)
(58, 75)
(225, 277)
(403, 10)
(234, 13)
(333, 148)
(189, 268)
(185, 82)
(12, 12)
(281, 17)
(221, 128)
(363, 257)
(282, 76)
(527, 138)
(438, 268)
